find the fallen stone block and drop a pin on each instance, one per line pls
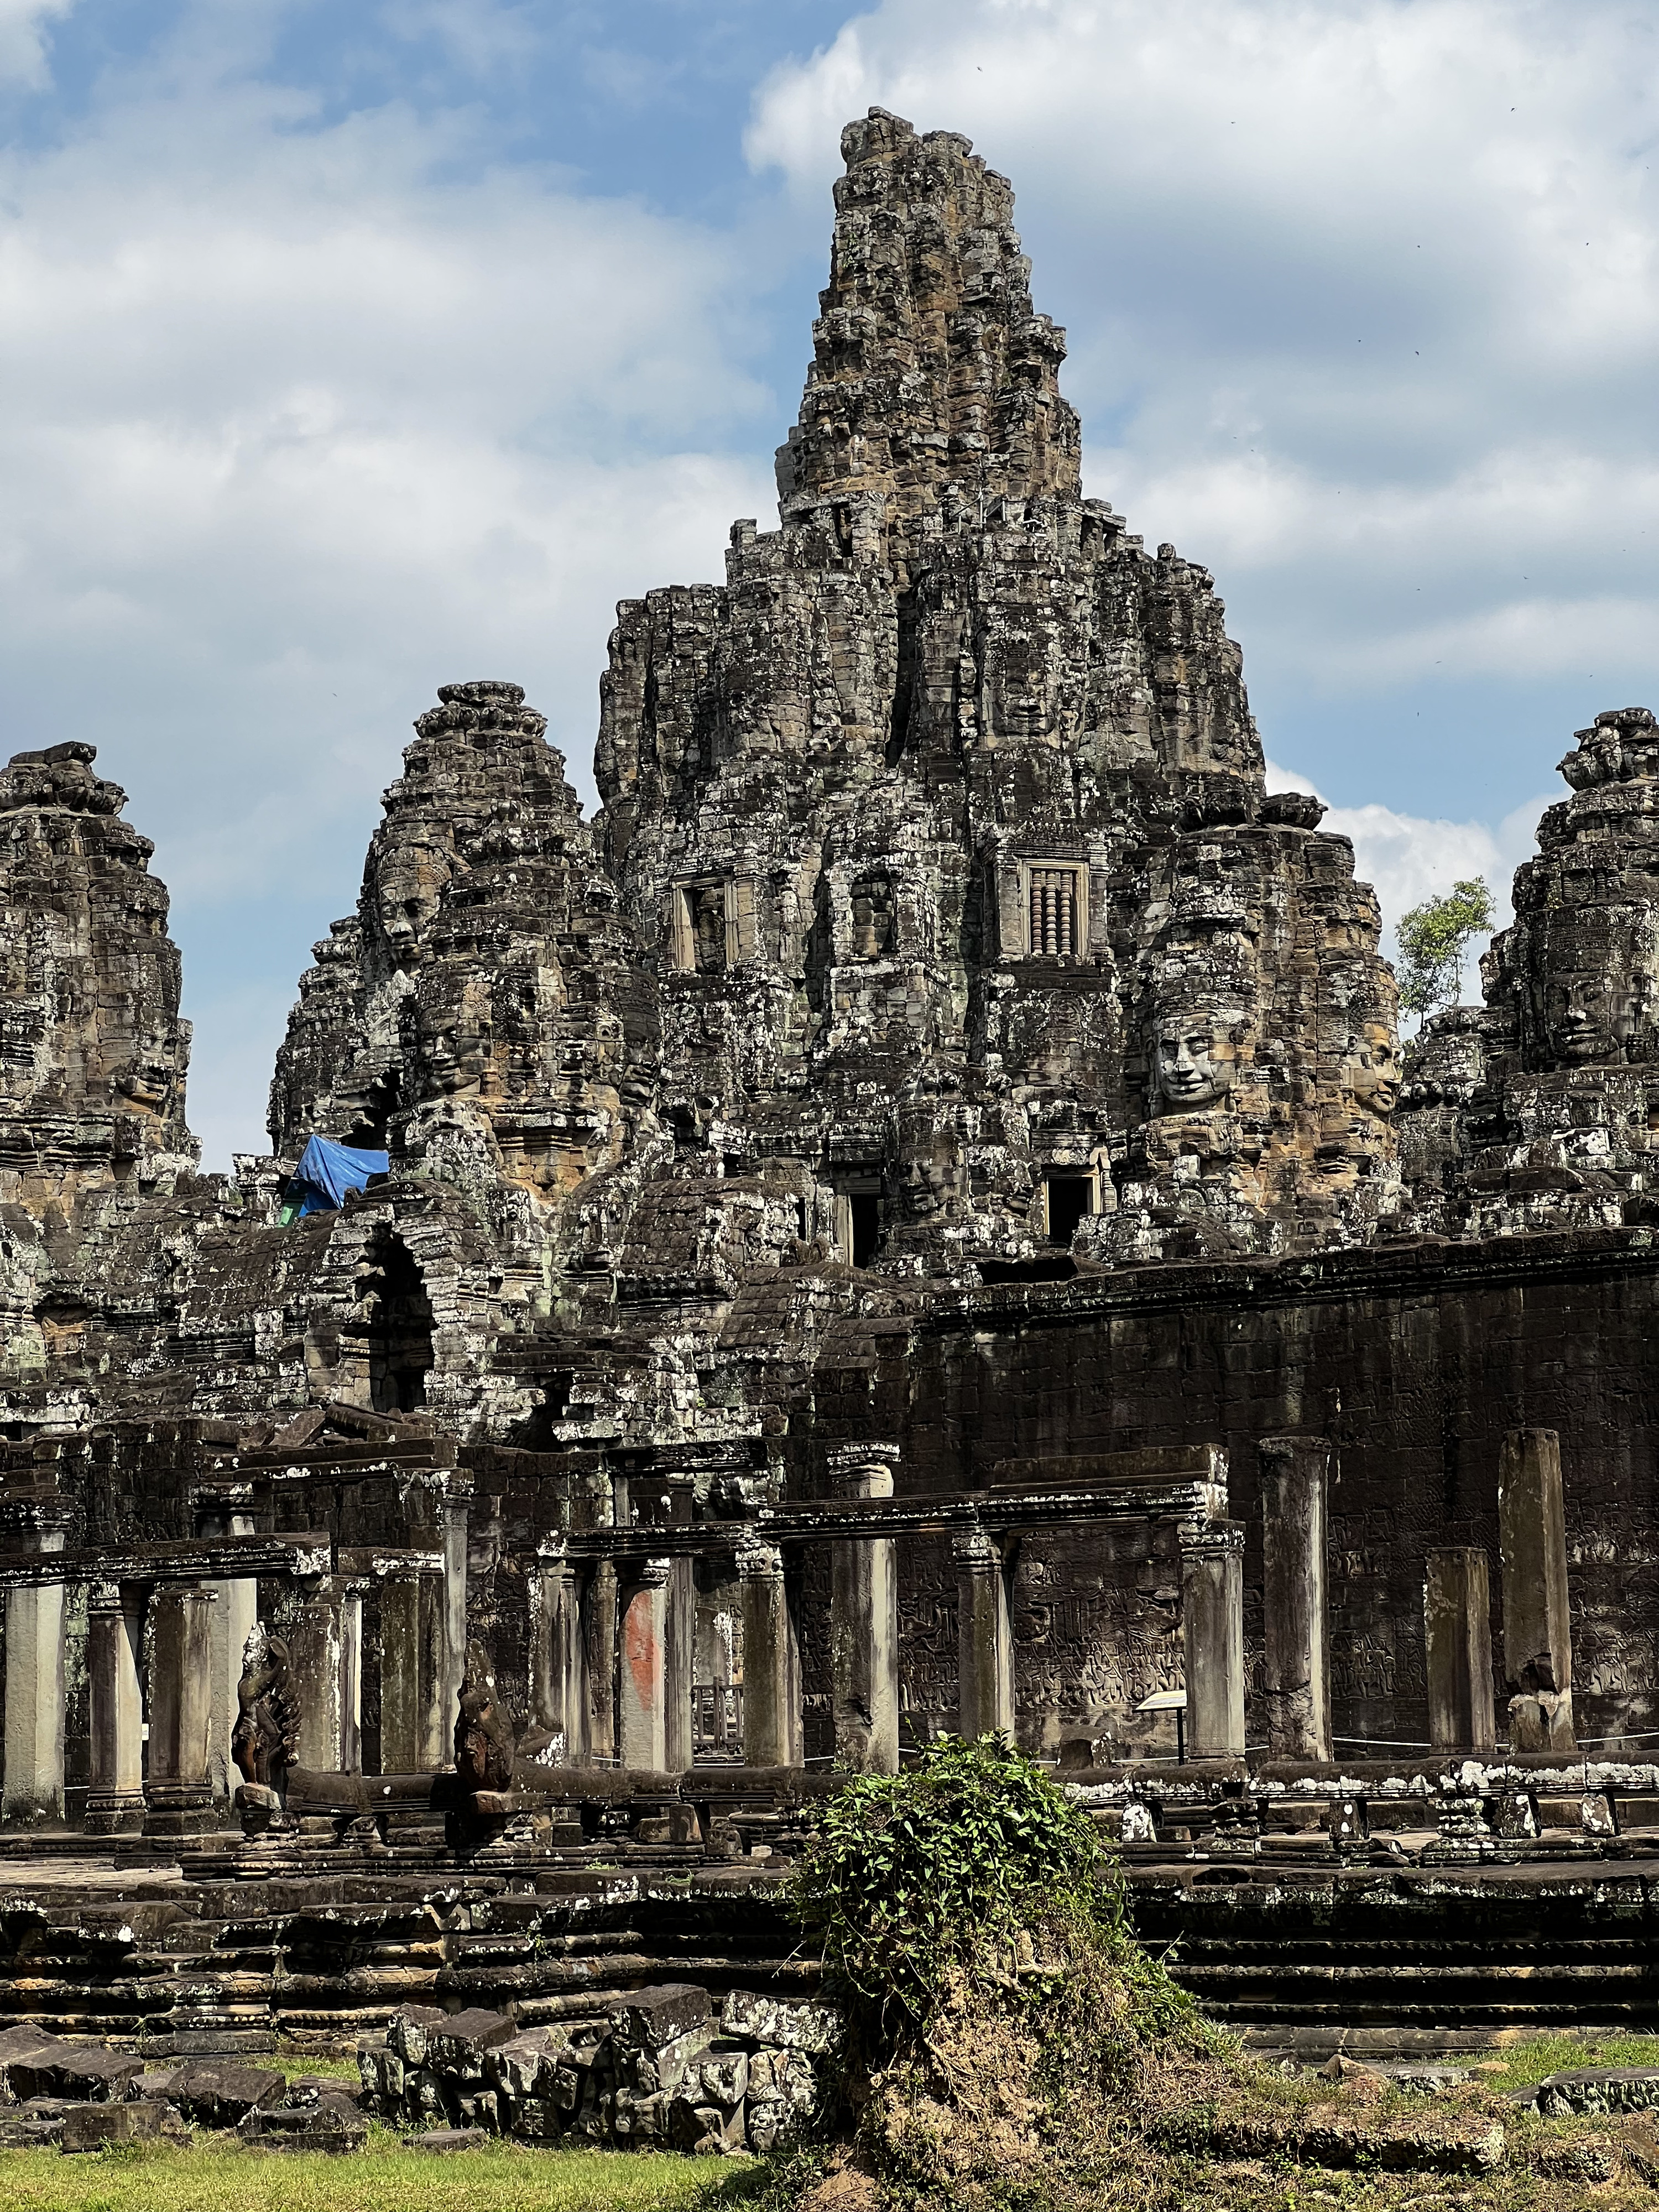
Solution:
(1594, 2089)
(91, 2127)
(461, 2038)
(445, 2139)
(725, 2074)
(37, 2121)
(406, 2031)
(87, 2072)
(20, 2049)
(219, 2094)
(334, 2126)
(760, 2019)
(662, 2015)
(519, 2067)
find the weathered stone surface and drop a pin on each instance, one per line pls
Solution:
(92, 2127)
(941, 1035)
(219, 2095)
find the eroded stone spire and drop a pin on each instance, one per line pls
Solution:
(93, 1053)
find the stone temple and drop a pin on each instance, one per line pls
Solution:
(913, 1219)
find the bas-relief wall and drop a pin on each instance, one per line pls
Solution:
(1415, 1382)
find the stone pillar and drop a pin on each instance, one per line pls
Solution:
(34, 1787)
(1531, 1535)
(985, 1687)
(1213, 1634)
(325, 1634)
(679, 1663)
(641, 1719)
(771, 1660)
(455, 1540)
(178, 1791)
(1457, 1637)
(235, 1609)
(115, 1637)
(558, 1666)
(1296, 1676)
(600, 1603)
(437, 1725)
(864, 1621)
(401, 1715)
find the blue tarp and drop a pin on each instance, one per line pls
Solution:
(325, 1173)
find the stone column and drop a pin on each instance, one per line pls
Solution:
(679, 1663)
(402, 1714)
(177, 1792)
(437, 1737)
(1457, 1637)
(324, 1635)
(235, 1609)
(34, 1787)
(115, 1636)
(771, 1660)
(864, 1621)
(558, 1666)
(1531, 1535)
(1213, 1634)
(455, 1540)
(985, 1688)
(641, 1719)
(1297, 1677)
(601, 1602)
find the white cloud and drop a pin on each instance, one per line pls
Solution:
(23, 38)
(1363, 300)
(1408, 857)
(302, 422)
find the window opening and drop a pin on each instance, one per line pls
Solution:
(708, 905)
(1070, 1199)
(865, 1209)
(1052, 912)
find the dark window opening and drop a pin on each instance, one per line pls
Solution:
(905, 688)
(864, 1208)
(1070, 1199)
(707, 916)
(398, 1314)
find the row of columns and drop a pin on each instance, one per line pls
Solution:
(644, 1612)
(198, 1636)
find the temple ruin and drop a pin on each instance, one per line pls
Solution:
(913, 1219)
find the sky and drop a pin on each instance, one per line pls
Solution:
(351, 349)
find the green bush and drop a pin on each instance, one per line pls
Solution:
(912, 1873)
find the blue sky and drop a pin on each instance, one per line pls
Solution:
(349, 348)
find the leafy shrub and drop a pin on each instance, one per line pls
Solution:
(914, 1873)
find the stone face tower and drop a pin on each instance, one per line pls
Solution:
(949, 802)
(93, 1053)
(476, 1013)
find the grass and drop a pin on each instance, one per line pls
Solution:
(210, 2176)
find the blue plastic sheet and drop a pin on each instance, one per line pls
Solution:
(325, 1173)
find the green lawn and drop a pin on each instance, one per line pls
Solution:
(217, 2176)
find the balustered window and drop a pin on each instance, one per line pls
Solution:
(1057, 922)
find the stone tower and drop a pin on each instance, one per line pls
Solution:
(93, 1053)
(948, 805)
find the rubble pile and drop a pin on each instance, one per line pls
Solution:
(661, 2068)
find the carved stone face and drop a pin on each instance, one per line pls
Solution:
(1195, 1060)
(408, 887)
(1374, 1069)
(1578, 1025)
(872, 917)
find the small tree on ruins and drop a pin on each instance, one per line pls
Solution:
(1434, 938)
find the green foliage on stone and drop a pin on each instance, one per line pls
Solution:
(912, 1873)
(1433, 939)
